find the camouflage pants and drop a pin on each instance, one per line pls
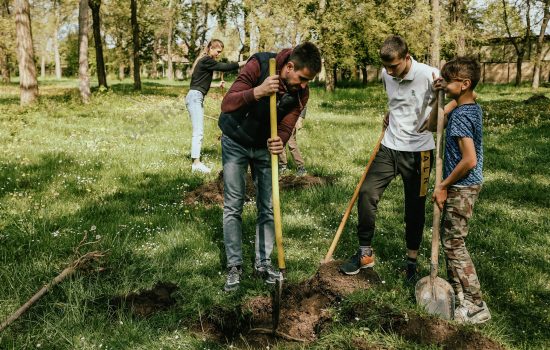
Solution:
(460, 268)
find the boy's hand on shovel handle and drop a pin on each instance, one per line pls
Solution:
(439, 197)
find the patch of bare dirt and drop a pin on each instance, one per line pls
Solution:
(211, 193)
(147, 302)
(305, 312)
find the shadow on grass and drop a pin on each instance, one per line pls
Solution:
(25, 176)
(9, 101)
(149, 88)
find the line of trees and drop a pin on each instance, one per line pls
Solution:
(134, 36)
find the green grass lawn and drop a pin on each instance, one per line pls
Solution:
(118, 169)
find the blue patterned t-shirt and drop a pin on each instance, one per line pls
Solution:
(464, 121)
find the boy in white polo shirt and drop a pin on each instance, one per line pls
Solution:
(404, 151)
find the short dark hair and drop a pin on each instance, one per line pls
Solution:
(462, 67)
(394, 47)
(306, 55)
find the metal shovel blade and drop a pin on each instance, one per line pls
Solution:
(437, 296)
(276, 297)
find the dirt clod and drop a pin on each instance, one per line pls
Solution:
(211, 193)
(147, 302)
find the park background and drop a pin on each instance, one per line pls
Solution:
(95, 145)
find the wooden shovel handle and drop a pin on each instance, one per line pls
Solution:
(275, 176)
(438, 176)
(351, 203)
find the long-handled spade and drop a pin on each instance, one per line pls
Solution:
(433, 292)
(328, 257)
(277, 292)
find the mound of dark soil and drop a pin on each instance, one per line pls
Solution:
(147, 302)
(305, 313)
(212, 193)
(537, 98)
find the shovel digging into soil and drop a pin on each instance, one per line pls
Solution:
(433, 292)
(277, 292)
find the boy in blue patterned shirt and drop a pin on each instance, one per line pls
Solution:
(463, 177)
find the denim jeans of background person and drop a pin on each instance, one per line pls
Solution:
(194, 102)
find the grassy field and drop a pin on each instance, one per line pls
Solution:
(118, 169)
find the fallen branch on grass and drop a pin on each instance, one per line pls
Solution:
(78, 263)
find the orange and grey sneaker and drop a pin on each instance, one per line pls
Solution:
(357, 262)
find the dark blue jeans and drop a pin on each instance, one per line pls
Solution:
(235, 159)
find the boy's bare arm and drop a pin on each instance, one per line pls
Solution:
(431, 122)
(467, 163)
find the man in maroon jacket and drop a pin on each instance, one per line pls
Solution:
(246, 140)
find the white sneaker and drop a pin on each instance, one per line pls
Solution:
(469, 312)
(201, 168)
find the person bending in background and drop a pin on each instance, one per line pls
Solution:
(201, 80)
(294, 150)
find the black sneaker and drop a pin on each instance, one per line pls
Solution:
(267, 272)
(357, 262)
(411, 272)
(233, 279)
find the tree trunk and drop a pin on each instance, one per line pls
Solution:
(540, 40)
(25, 53)
(135, 41)
(43, 65)
(83, 74)
(121, 71)
(330, 83)
(519, 63)
(365, 76)
(154, 59)
(436, 23)
(457, 19)
(95, 5)
(4, 52)
(4, 65)
(244, 52)
(169, 34)
(57, 56)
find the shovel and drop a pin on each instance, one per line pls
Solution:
(277, 292)
(328, 257)
(432, 292)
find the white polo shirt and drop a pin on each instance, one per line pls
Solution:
(409, 105)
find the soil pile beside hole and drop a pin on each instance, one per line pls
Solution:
(305, 312)
(304, 308)
(420, 329)
(211, 193)
(148, 302)
(537, 98)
